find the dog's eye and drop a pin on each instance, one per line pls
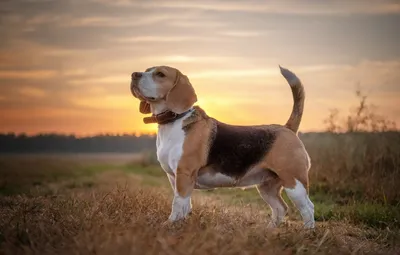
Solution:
(160, 74)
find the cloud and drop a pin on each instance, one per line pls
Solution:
(44, 19)
(209, 74)
(234, 73)
(262, 72)
(238, 33)
(79, 55)
(112, 79)
(123, 3)
(31, 74)
(293, 7)
(74, 72)
(104, 102)
(98, 18)
(214, 74)
(162, 39)
(197, 24)
(228, 100)
(341, 7)
(188, 59)
(93, 21)
(376, 76)
(32, 92)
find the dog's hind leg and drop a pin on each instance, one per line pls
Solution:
(271, 193)
(298, 195)
(288, 158)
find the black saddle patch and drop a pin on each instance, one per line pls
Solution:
(234, 149)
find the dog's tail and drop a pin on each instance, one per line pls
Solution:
(294, 120)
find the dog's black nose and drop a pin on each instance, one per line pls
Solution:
(136, 75)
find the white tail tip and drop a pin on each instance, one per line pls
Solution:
(291, 78)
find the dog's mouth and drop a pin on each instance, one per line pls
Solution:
(136, 93)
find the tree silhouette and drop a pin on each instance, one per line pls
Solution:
(362, 118)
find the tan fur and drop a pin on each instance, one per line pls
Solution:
(294, 120)
(175, 87)
(271, 192)
(195, 151)
(167, 83)
(272, 188)
(144, 107)
(284, 153)
(182, 96)
(288, 159)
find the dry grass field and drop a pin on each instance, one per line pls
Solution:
(115, 204)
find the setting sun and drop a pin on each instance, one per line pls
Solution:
(68, 70)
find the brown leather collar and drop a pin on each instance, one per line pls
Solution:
(164, 117)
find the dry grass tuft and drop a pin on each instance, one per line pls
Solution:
(117, 215)
(365, 165)
(124, 221)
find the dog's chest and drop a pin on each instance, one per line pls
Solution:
(170, 139)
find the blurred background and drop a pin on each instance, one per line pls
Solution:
(67, 117)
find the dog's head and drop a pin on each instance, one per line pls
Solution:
(163, 85)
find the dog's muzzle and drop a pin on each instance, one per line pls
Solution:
(135, 77)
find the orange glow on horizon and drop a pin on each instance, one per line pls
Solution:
(70, 73)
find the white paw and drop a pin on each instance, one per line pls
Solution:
(308, 217)
(272, 225)
(309, 224)
(181, 208)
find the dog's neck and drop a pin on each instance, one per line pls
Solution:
(174, 128)
(158, 107)
(162, 115)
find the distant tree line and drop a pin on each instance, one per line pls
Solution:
(56, 143)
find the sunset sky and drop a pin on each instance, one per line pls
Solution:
(65, 65)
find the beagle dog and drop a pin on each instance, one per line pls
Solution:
(197, 151)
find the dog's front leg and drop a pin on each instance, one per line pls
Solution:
(181, 204)
(172, 182)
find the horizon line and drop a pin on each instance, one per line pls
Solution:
(151, 134)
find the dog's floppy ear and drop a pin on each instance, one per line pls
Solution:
(182, 96)
(144, 107)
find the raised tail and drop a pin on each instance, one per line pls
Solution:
(294, 120)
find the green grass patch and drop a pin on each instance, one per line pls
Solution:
(152, 175)
(151, 170)
(327, 207)
(22, 175)
(34, 176)
(339, 206)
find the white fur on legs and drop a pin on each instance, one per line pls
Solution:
(310, 204)
(181, 207)
(270, 193)
(171, 179)
(298, 195)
